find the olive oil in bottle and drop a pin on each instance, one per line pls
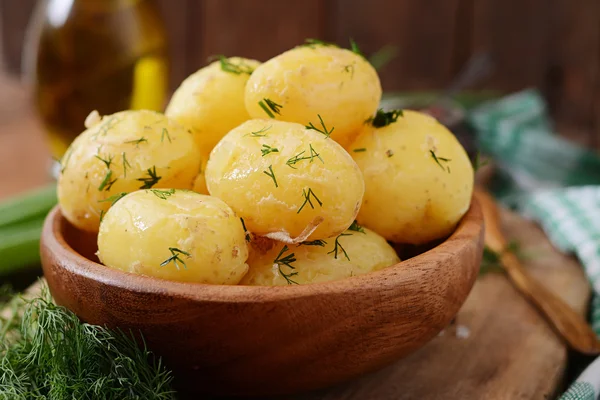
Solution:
(84, 55)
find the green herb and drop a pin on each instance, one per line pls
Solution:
(299, 157)
(312, 43)
(163, 194)
(138, 141)
(125, 164)
(478, 163)
(46, 352)
(389, 153)
(307, 199)
(114, 198)
(165, 133)
(151, 180)
(350, 69)
(338, 246)
(271, 174)
(270, 107)
(356, 227)
(175, 258)
(266, 149)
(287, 261)
(440, 160)
(104, 127)
(383, 118)
(239, 68)
(107, 161)
(248, 235)
(259, 133)
(383, 56)
(318, 242)
(101, 215)
(106, 183)
(361, 150)
(355, 49)
(324, 131)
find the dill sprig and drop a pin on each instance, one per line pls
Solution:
(151, 180)
(313, 43)
(287, 261)
(163, 194)
(114, 198)
(318, 242)
(176, 258)
(350, 69)
(239, 68)
(361, 150)
(270, 107)
(266, 149)
(355, 49)
(272, 175)
(356, 227)
(478, 163)
(248, 234)
(137, 141)
(299, 157)
(307, 199)
(440, 160)
(46, 352)
(105, 126)
(324, 131)
(125, 164)
(107, 161)
(383, 118)
(260, 133)
(107, 183)
(165, 133)
(338, 246)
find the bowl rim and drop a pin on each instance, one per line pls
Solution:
(469, 229)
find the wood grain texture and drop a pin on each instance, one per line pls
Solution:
(270, 340)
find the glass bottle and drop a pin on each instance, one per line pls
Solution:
(84, 55)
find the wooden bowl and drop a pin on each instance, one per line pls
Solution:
(256, 341)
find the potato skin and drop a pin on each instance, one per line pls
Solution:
(210, 102)
(307, 81)
(367, 252)
(239, 174)
(409, 198)
(137, 233)
(121, 149)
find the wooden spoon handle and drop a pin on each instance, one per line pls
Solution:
(569, 324)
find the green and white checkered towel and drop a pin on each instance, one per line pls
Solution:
(553, 182)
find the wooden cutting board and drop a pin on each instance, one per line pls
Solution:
(510, 351)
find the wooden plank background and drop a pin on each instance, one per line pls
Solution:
(553, 45)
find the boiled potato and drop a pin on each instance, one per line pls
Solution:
(316, 80)
(200, 181)
(210, 102)
(418, 179)
(352, 253)
(285, 181)
(173, 234)
(120, 153)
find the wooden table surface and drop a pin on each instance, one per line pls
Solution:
(503, 349)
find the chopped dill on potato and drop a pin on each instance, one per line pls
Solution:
(114, 198)
(383, 118)
(151, 180)
(307, 199)
(361, 150)
(164, 133)
(175, 258)
(270, 107)
(163, 194)
(440, 160)
(318, 242)
(338, 246)
(238, 69)
(137, 141)
(266, 149)
(324, 131)
(272, 175)
(356, 227)
(299, 157)
(260, 133)
(287, 261)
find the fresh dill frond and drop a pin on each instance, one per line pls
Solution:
(313, 43)
(105, 126)
(228, 66)
(349, 69)
(151, 180)
(440, 160)
(383, 118)
(478, 163)
(101, 215)
(338, 246)
(287, 261)
(107, 161)
(361, 150)
(266, 149)
(355, 49)
(356, 227)
(318, 242)
(114, 198)
(176, 258)
(324, 131)
(137, 141)
(163, 193)
(46, 352)
(272, 175)
(299, 157)
(260, 133)
(107, 183)
(307, 199)
(125, 164)
(270, 107)
(165, 133)
(248, 234)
